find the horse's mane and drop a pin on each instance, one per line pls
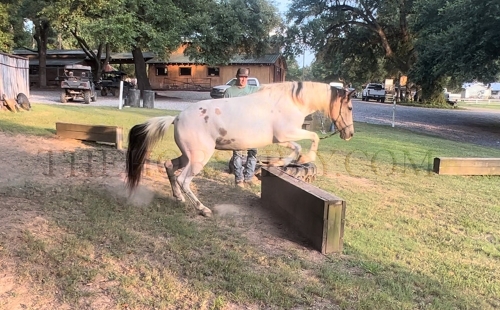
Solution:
(314, 95)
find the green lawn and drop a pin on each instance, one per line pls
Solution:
(413, 239)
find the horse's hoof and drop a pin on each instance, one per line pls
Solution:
(303, 160)
(206, 212)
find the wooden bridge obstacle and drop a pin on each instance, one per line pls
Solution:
(93, 133)
(318, 215)
(466, 166)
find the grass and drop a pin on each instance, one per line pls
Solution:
(413, 239)
(492, 106)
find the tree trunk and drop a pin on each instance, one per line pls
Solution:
(41, 37)
(140, 70)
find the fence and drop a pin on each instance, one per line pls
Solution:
(478, 101)
(14, 73)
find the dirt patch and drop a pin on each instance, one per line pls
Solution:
(30, 162)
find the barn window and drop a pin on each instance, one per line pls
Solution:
(212, 71)
(185, 71)
(161, 71)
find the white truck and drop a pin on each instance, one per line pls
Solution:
(374, 91)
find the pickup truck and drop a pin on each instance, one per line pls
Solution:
(373, 91)
(218, 91)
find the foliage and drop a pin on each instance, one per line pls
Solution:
(6, 37)
(219, 30)
(294, 73)
(356, 41)
(450, 45)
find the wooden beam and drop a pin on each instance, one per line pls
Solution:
(466, 166)
(316, 214)
(94, 133)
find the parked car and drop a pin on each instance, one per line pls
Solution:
(77, 83)
(218, 91)
(373, 91)
(337, 84)
(110, 83)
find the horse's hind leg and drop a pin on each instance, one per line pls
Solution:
(171, 166)
(197, 160)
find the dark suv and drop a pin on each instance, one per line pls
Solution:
(77, 83)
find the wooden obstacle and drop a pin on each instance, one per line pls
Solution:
(318, 215)
(94, 133)
(466, 166)
(11, 105)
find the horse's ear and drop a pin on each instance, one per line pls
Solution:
(351, 93)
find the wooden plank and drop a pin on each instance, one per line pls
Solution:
(11, 104)
(466, 166)
(95, 133)
(318, 215)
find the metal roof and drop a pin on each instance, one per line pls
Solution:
(495, 86)
(81, 54)
(56, 62)
(239, 59)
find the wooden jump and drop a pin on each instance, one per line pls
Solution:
(466, 166)
(94, 133)
(318, 215)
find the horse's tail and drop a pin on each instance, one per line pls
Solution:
(141, 139)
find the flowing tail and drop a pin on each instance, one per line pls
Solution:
(141, 139)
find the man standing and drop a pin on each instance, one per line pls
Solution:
(242, 174)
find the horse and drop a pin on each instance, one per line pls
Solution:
(273, 114)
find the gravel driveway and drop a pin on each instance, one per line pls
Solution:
(476, 126)
(170, 100)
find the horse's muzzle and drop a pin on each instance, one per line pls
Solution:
(346, 134)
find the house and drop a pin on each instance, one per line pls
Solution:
(494, 90)
(473, 90)
(178, 72)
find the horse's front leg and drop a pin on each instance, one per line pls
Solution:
(311, 156)
(302, 134)
(293, 156)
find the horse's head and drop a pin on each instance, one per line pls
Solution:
(341, 112)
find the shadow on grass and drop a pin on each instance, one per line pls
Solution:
(17, 128)
(145, 254)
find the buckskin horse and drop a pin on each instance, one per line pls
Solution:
(273, 114)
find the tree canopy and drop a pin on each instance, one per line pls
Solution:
(456, 39)
(213, 30)
(433, 41)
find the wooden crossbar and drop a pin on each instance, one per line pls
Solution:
(94, 133)
(466, 166)
(318, 215)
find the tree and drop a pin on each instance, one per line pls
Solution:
(6, 35)
(449, 45)
(214, 31)
(364, 31)
(32, 11)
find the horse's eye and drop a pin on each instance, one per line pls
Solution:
(350, 108)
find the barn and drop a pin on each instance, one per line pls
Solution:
(178, 72)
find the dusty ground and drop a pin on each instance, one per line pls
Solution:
(28, 160)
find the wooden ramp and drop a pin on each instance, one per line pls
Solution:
(466, 166)
(316, 214)
(93, 133)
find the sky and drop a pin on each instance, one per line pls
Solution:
(308, 57)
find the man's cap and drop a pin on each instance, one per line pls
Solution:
(242, 72)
